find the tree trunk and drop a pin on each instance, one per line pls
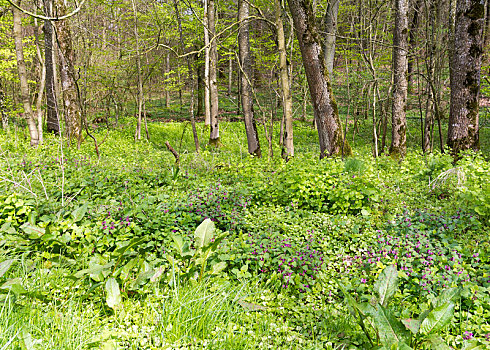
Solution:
(213, 71)
(200, 88)
(41, 67)
(167, 72)
(245, 79)
(52, 114)
(139, 95)
(287, 100)
(230, 74)
(325, 108)
(330, 27)
(207, 100)
(463, 130)
(3, 109)
(71, 103)
(398, 147)
(414, 24)
(24, 87)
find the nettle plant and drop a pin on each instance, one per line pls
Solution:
(378, 318)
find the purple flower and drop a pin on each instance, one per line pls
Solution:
(467, 335)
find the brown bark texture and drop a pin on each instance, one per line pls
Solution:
(245, 79)
(287, 100)
(213, 71)
(398, 148)
(71, 103)
(24, 87)
(325, 108)
(463, 132)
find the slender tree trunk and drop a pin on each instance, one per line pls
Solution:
(167, 72)
(24, 87)
(213, 71)
(139, 95)
(487, 25)
(71, 103)
(326, 111)
(230, 74)
(207, 97)
(330, 27)
(463, 130)
(200, 88)
(3, 109)
(42, 83)
(245, 79)
(287, 100)
(414, 24)
(52, 114)
(398, 147)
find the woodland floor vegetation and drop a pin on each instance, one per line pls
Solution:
(104, 253)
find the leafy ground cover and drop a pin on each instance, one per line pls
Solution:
(226, 251)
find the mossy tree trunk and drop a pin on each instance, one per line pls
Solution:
(463, 132)
(398, 148)
(325, 108)
(246, 79)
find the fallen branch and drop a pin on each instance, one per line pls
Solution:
(174, 152)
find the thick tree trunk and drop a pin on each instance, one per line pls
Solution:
(330, 27)
(213, 72)
(24, 87)
(245, 79)
(325, 108)
(463, 130)
(52, 114)
(71, 103)
(287, 100)
(207, 50)
(398, 147)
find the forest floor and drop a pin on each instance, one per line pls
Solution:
(117, 252)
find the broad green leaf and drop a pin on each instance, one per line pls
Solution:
(33, 232)
(14, 285)
(437, 343)
(5, 266)
(95, 269)
(386, 284)
(178, 243)
(390, 330)
(113, 294)
(126, 269)
(204, 233)
(412, 324)
(438, 318)
(79, 213)
(132, 243)
(473, 345)
(217, 268)
(447, 295)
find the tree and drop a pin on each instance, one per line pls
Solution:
(325, 108)
(463, 132)
(398, 147)
(71, 103)
(330, 27)
(24, 87)
(213, 74)
(245, 78)
(287, 100)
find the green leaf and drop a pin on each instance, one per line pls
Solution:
(390, 329)
(447, 295)
(217, 268)
(95, 269)
(437, 343)
(204, 233)
(33, 232)
(132, 243)
(5, 266)
(14, 285)
(178, 243)
(412, 324)
(386, 284)
(79, 213)
(113, 294)
(438, 318)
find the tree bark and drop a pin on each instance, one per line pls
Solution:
(414, 24)
(463, 132)
(207, 100)
(245, 79)
(287, 100)
(71, 103)
(398, 147)
(24, 87)
(3, 109)
(52, 114)
(213, 71)
(330, 27)
(167, 72)
(325, 108)
(139, 95)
